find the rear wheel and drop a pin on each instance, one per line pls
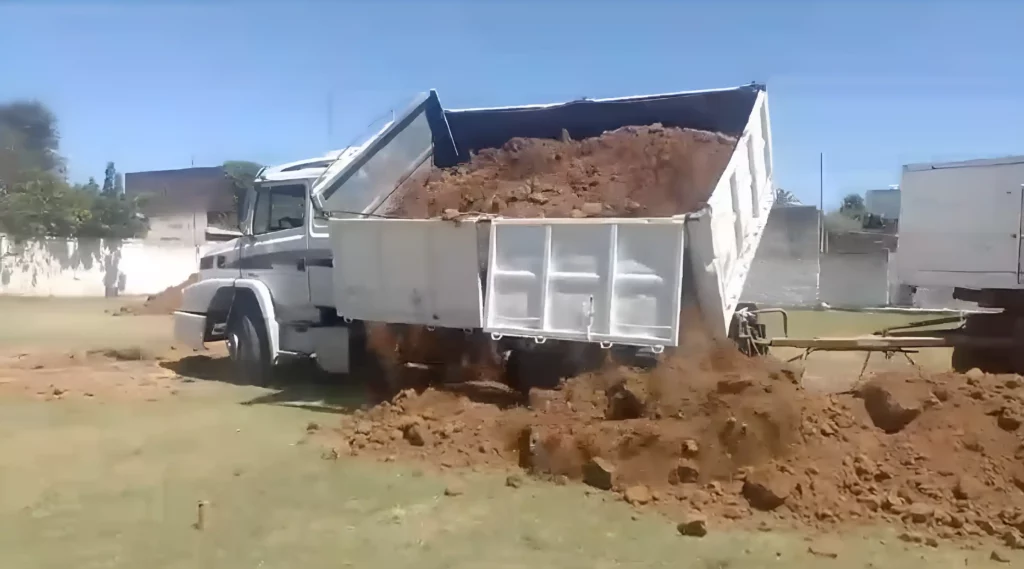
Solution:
(989, 360)
(249, 347)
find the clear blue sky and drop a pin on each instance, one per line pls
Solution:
(873, 85)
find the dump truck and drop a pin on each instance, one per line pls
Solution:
(319, 260)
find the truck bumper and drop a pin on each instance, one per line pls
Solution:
(190, 329)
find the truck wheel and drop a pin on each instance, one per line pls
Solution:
(988, 360)
(249, 348)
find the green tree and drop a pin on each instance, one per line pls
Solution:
(45, 206)
(785, 197)
(852, 206)
(113, 217)
(109, 180)
(91, 186)
(37, 201)
(29, 129)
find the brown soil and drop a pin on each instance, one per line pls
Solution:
(634, 171)
(96, 375)
(163, 302)
(738, 440)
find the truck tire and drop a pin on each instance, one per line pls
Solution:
(249, 348)
(988, 360)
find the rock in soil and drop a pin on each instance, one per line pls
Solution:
(417, 434)
(890, 405)
(599, 473)
(514, 481)
(637, 495)
(968, 488)
(767, 488)
(999, 557)
(693, 525)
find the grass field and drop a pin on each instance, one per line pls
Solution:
(113, 478)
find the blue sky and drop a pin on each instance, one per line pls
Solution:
(872, 85)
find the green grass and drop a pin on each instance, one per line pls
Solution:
(64, 324)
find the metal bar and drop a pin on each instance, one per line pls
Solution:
(884, 344)
(921, 324)
(785, 317)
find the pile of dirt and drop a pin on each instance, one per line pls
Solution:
(634, 171)
(738, 440)
(163, 302)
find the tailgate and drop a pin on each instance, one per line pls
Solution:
(412, 271)
(596, 280)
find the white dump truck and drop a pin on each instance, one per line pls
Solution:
(316, 261)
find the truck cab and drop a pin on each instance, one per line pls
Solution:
(267, 292)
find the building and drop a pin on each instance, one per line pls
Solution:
(180, 204)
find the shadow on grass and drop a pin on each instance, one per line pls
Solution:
(304, 385)
(295, 384)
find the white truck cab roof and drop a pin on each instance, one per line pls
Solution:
(307, 169)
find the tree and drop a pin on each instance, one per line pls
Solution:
(36, 199)
(785, 197)
(43, 207)
(91, 186)
(109, 180)
(31, 128)
(852, 206)
(113, 217)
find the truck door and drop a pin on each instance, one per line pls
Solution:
(276, 252)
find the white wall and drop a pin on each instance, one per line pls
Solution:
(853, 280)
(784, 272)
(92, 267)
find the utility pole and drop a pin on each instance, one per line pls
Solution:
(821, 202)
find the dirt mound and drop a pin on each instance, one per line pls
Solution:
(633, 171)
(729, 436)
(163, 302)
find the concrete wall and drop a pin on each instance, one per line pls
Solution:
(851, 280)
(91, 267)
(785, 269)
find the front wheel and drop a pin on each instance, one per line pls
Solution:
(249, 348)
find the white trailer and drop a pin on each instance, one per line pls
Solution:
(315, 259)
(961, 226)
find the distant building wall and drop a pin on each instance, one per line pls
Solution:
(785, 268)
(177, 201)
(850, 280)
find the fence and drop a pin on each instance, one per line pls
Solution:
(92, 267)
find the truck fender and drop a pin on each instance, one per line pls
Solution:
(215, 295)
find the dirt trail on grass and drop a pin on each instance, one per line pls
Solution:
(715, 432)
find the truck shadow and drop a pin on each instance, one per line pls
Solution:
(297, 384)
(303, 385)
